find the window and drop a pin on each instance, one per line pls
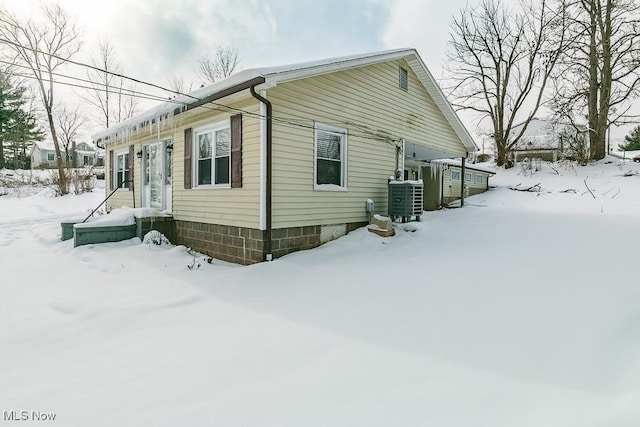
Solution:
(122, 170)
(51, 157)
(455, 175)
(467, 176)
(404, 79)
(213, 155)
(479, 179)
(330, 158)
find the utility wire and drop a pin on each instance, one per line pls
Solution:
(96, 86)
(139, 95)
(280, 120)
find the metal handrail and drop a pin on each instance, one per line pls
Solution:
(130, 181)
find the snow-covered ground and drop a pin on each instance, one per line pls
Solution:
(521, 309)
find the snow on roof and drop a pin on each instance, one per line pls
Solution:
(270, 76)
(44, 145)
(458, 163)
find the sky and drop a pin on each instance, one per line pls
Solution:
(160, 37)
(155, 39)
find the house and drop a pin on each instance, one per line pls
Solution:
(43, 155)
(85, 155)
(278, 159)
(443, 178)
(549, 140)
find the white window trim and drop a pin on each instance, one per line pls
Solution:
(53, 155)
(481, 179)
(467, 174)
(116, 154)
(212, 127)
(343, 158)
(456, 171)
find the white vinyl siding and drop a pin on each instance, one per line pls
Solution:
(368, 105)
(208, 204)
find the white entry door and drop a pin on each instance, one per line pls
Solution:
(157, 176)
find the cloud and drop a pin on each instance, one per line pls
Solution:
(166, 37)
(424, 25)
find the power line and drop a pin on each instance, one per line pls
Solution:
(96, 85)
(139, 95)
(280, 120)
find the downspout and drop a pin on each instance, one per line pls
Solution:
(463, 180)
(268, 255)
(441, 196)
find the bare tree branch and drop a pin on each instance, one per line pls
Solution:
(43, 46)
(220, 66)
(501, 62)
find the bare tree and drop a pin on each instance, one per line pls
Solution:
(69, 122)
(43, 47)
(111, 95)
(178, 84)
(600, 73)
(219, 66)
(500, 62)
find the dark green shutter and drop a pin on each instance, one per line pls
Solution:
(236, 151)
(110, 170)
(188, 144)
(132, 164)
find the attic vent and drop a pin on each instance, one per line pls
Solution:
(404, 79)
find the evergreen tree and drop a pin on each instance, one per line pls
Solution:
(19, 140)
(11, 99)
(18, 127)
(632, 140)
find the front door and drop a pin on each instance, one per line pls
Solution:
(156, 176)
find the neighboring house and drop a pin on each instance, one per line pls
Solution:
(443, 178)
(43, 155)
(548, 140)
(274, 160)
(86, 155)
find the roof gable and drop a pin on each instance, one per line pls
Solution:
(266, 77)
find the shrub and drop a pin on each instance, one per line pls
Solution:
(484, 157)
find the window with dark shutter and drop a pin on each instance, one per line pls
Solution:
(212, 155)
(236, 151)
